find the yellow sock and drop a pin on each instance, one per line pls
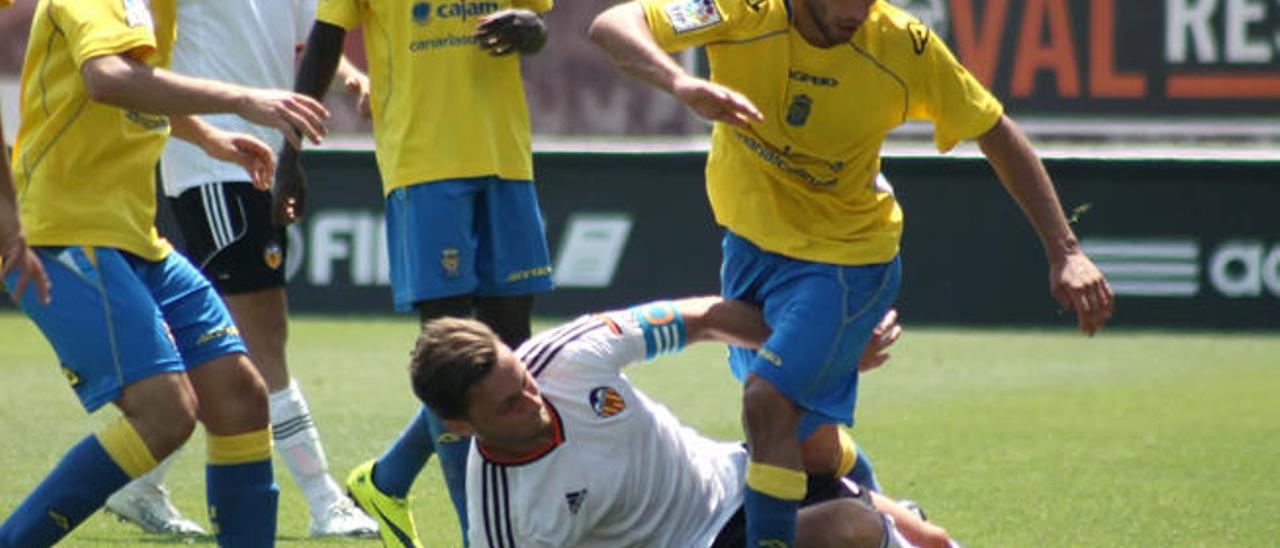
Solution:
(126, 448)
(776, 481)
(240, 448)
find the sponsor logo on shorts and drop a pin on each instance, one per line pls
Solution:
(772, 543)
(72, 376)
(229, 331)
(529, 273)
(606, 402)
(60, 520)
(273, 255)
(770, 357)
(451, 262)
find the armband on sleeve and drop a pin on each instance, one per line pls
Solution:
(663, 328)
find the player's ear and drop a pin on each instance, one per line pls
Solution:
(459, 426)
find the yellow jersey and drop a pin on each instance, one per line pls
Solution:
(85, 171)
(802, 182)
(442, 107)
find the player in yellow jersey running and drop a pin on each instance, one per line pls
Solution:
(131, 322)
(803, 93)
(464, 232)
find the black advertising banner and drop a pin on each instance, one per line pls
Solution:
(1188, 244)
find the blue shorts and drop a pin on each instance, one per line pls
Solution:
(116, 319)
(822, 316)
(482, 236)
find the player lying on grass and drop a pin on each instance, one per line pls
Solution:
(568, 453)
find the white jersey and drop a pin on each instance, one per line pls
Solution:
(248, 42)
(624, 472)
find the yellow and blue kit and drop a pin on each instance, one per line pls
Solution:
(798, 191)
(442, 107)
(802, 182)
(812, 238)
(124, 307)
(454, 148)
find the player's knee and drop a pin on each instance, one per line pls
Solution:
(767, 411)
(241, 403)
(162, 409)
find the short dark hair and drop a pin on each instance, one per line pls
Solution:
(451, 356)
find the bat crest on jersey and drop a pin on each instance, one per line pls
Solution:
(606, 402)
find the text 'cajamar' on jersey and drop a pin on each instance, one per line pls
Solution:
(623, 473)
(443, 108)
(85, 171)
(802, 182)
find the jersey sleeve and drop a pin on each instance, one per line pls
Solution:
(682, 24)
(340, 13)
(536, 6)
(948, 95)
(105, 27)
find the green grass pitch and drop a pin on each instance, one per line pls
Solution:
(1006, 437)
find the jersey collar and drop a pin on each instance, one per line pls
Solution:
(557, 438)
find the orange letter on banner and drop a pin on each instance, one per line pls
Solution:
(1059, 55)
(979, 49)
(1104, 81)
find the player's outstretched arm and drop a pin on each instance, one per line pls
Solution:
(624, 33)
(125, 82)
(511, 31)
(738, 323)
(1074, 280)
(315, 73)
(14, 251)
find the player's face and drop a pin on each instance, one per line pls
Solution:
(506, 408)
(838, 20)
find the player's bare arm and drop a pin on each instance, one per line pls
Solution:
(14, 251)
(320, 60)
(624, 33)
(123, 81)
(247, 151)
(511, 31)
(1075, 282)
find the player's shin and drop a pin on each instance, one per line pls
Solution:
(772, 500)
(400, 464)
(241, 489)
(298, 442)
(92, 470)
